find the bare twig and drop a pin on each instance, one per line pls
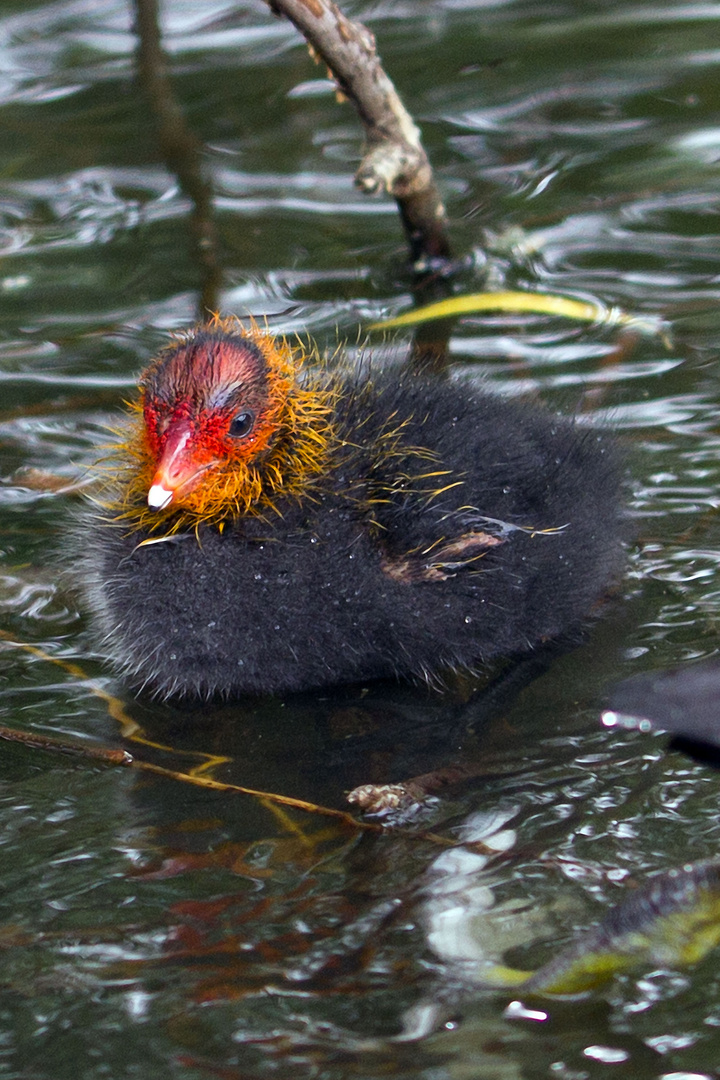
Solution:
(395, 160)
(108, 755)
(196, 776)
(117, 757)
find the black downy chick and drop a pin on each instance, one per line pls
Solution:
(262, 532)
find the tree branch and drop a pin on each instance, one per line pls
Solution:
(395, 160)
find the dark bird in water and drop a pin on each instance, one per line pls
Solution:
(684, 702)
(268, 524)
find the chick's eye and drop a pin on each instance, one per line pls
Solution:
(242, 424)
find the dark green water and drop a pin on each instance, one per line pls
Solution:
(151, 929)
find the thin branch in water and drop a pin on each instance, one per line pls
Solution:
(394, 160)
(195, 777)
(118, 757)
(106, 754)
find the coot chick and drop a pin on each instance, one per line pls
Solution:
(266, 526)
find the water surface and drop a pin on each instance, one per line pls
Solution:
(153, 929)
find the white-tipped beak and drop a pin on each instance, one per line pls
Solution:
(159, 497)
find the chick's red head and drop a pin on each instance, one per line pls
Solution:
(212, 406)
(226, 427)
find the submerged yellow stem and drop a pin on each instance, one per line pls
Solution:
(534, 303)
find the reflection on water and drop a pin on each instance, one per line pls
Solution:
(150, 927)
